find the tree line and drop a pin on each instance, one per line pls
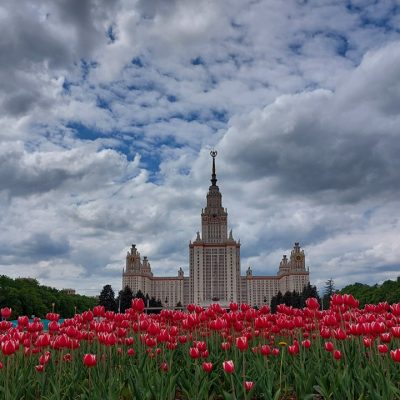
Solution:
(123, 301)
(294, 298)
(387, 291)
(25, 296)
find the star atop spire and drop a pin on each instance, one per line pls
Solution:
(213, 154)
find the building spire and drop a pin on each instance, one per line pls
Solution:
(213, 154)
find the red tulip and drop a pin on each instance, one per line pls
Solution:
(131, 352)
(306, 343)
(9, 347)
(1, 365)
(194, 352)
(99, 311)
(275, 352)
(53, 326)
(395, 354)
(23, 321)
(337, 355)
(87, 316)
(138, 305)
(395, 330)
(39, 368)
(385, 337)
(382, 348)
(367, 342)
(89, 360)
(265, 350)
(329, 346)
(204, 354)
(225, 346)
(52, 316)
(182, 339)
(395, 308)
(242, 343)
(202, 346)
(43, 340)
(248, 385)
(312, 303)
(44, 358)
(233, 306)
(6, 312)
(164, 366)
(340, 334)
(5, 325)
(294, 349)
(190, 308)
(229, 366)
(207, 367)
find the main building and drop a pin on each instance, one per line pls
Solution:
(214, 266)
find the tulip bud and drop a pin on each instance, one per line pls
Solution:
(395, 354)
(329, 346)
(6, 312)
(337, 355)
(89, 360)
(228, 366)
(242, 343)
(207, 367)
(248, 385)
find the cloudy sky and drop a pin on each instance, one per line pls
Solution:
(108, 111)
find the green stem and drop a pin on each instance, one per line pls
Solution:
(280, 371)
(244, 375)
(7, 377)
(233, 387)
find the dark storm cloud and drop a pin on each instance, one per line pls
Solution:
(24, 173)
(37, 247)
(20, 179)
(341, 146)
(52, 36)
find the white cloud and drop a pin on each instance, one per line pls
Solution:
(109, 110)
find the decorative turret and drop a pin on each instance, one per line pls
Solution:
(214, 217)
(134, 263)
(146, 269)
(133, 259)
(284, 265)
(297, 258)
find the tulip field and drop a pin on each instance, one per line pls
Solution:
(239, 353)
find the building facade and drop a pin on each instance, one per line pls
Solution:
(214, 266)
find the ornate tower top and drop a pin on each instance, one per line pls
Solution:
(213, 154)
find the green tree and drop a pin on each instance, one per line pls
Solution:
(156, 304)
(275, 301)
(27, 297)
(329, 290)
(125, 299)
(388, 291)
(140, 295)
(107, 298)
(309, 291)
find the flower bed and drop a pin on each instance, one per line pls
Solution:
(242, 353)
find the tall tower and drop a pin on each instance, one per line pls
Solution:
(214, 257)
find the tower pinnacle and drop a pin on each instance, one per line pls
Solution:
(213, 154)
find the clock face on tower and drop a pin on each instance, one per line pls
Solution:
(298, 257)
